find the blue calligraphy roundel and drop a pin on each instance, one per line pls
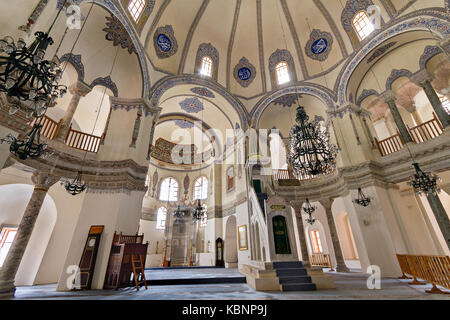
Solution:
(244, 73)
(319, 46)
(164, 42)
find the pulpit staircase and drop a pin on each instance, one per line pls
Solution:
(293, 277)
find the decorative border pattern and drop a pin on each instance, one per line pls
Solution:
(365, 94)
(428, 53)
(381, 51)
(116, 32)
(165, 36)
(287, 100)
(319, 45)
(183, 124)
(244, 72)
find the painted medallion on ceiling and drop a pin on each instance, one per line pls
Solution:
(184, 124)
(116, 32)
(244, 72)
(319, 45)
(202, 91)
(165, 42)
(191, 105)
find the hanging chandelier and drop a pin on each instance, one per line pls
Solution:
(309, 209)
(424, 183)
(178, 213)
(310, 150)
(29, 147)
(76, 186)
(26, 76)
(199, 211)
(362, 199)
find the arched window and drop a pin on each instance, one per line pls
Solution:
(282, 73)
(135, 7)
(169, 190)
(204, 219)
(201, 188)
(362, 25)
(161, 218)
(445, 103)
(206, 67)
(315, 240)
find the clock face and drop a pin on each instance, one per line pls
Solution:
(244, 73)
(164, 42)
(91, 243)
(319, 46)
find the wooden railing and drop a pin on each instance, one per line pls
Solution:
(432, 269)
(427, 130)
(421, 133)
(321, 260)
(390, 145)
(283, 174)
(83, 141)
(49, 127)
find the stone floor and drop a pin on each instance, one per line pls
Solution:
(349, 286)
(160, 274)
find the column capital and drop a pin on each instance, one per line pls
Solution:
(420, 78)
(44, 180)
(388, 96)
(327, 203)
(80, 89)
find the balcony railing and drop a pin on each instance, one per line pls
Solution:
(421, 133)
(74, 139)
(83, 141)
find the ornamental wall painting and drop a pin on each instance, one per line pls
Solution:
(165, 42)
(319, 45)
(244, 72)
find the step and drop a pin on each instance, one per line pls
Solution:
(287, 265)
(295, 279)
(291, 272)
(299, 287)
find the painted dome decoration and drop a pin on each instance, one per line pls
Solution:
(165, 42)
(319, 45)
(191, 105)
(244, 72)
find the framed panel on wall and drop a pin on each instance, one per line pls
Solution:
(242, 237)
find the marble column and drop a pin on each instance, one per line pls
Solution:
(389, 98)
(42, 181)
(441, 216)
(340, 262)
(78, 90)
(301, 234)
(442, 115)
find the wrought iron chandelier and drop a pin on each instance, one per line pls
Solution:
(199, 211)
(29, 147)
(362, 199)
(310, 150)
(76, 186)
(178, 213)
(424, 183)
(309, 209)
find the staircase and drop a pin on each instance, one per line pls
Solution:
(293, 277)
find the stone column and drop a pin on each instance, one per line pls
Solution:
(389, 98)
(42, 181)
(435, 103)
(78, 90)
(340, 262)
(301, 234)
(441, 216)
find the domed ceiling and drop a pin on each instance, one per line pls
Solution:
(245, 35)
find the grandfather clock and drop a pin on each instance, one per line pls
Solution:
(87, 261)
(219, 253)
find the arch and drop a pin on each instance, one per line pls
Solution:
(231, 251)
(428, 53)
(106, 82)
(207, 50)
(76, 62)
(351, 9)
(365, 94)
(279, 56)
(170, 82)
(396, 74)
(14, 199)
(116, 10)
(317, 91)
(431, 20)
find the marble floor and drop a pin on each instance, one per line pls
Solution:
(349, 286)
(160, 274)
